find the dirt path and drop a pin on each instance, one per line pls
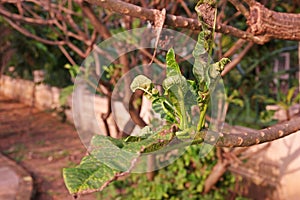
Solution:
(41, 144)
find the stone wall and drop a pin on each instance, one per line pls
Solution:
(18, 89)
(85, 110)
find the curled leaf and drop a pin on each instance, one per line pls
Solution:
(175, 83)
(216, 68)
(141, 82)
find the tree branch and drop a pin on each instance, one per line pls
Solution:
(271, 24)
(238, 44)
(240, 7)
(146, 14)
(35, 37)
(67, 55)
(271, 19)
(21, 18)
(237, 60)
(257, 137)
(88, 11)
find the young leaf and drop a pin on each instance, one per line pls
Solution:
(141, 82)
(176, 87)
(164, 108)
(176, 81)
(172, 66)
(200, 55)
(214, 73)
(216, 68)
(290, 94)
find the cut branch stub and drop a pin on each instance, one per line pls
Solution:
(207, 13)
(271, 24)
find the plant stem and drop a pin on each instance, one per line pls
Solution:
(201, 122)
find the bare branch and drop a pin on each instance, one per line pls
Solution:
(186, 8)
(241, 34)
(271, 24)
(238, 45)
(27, 20)
(240, 7)
(237, 60)
(258, 13)
(146, 14)
(98, 25)
(65, 52)
(35, 37)
(260, 136)
(250, 2)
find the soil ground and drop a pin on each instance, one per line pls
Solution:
(42, 144)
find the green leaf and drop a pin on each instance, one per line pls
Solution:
(73, 70)
(296, 99)
(110, 152)
(144, 133)
(266, 116)
(283, 105)
(141, 82)
(172, 66)
(238, 102)
(176, 81)
(200, 55)
(64, 94)
(89, 175)
(290, 94)
(176, 88)
(109, 157)
(166, 110)
(264, 99)
(203, 44)
(216, 68)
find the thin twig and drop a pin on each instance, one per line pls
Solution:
(240, 7)
(237, 60)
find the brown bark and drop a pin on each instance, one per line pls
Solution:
(217, 172)
(237, 60)
(270, 24)
(257, 137)
(264, 24)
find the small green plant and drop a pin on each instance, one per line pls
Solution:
(109, 156)
(175, 104)
(284, 101)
